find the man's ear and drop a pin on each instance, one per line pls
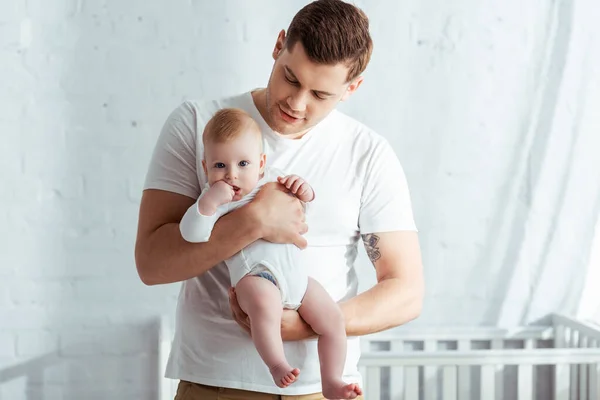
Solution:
(352, 87)
(279, 44)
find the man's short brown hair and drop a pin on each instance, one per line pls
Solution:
(227, 124)
(332, 32)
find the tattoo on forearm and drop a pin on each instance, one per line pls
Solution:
(371, 241)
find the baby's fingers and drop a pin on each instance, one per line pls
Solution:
(299, 183)
(283, 180)
(291, 181)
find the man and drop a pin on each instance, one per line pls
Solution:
(360, 191)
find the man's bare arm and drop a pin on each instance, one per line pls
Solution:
(397, 298)
(163, 256)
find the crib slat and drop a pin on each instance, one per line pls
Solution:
(573, 344)
(362, 370)
(488, 382)
(594, 382)
(167, 387)
(583, 372)
(397, 373)
(411, 382)
(559, 337)
(561, 372)
(374, 382)
(430, 384)
(449, 382)
(498, 344)
(530, 344)
(464, 373)
(583, 382)
(581, 326)
(525, 380)
(561, 382)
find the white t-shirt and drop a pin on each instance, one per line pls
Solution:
(283, 261)
(361, 189)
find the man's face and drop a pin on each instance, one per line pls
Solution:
(300, 92)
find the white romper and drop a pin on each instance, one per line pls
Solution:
(282, 261)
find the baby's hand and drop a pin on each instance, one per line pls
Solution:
(219, 193)
(298, 186)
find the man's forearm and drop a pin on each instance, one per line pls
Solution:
(388, 304)
(165, 257)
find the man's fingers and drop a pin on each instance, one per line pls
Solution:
(234, 305)
(238, 314)
(300, 242)
(303, 228)
(233, 302)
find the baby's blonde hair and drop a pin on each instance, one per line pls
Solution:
(227, 124)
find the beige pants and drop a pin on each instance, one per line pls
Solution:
(194, 391)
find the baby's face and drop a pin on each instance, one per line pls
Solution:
(238, 162)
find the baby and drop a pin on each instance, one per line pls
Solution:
(267, 276)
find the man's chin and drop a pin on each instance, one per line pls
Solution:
(285, 129)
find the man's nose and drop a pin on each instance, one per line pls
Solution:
(297, 101)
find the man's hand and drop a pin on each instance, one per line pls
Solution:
(293, 326)
(298, 186)
(280, 215)
(219, 193)
(238, 314)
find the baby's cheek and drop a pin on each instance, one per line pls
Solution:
(213, 177)
(252, 183)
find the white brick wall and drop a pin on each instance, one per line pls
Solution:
(84, 89)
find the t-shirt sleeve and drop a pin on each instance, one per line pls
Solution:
(173, 163)
(385, 204)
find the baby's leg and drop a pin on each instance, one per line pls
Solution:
(260, 299)
(325, 317)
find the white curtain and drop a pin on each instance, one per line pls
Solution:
(498, 128)
(544, 247)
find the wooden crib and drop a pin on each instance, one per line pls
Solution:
(559, 361)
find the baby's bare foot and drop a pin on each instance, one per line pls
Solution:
(284, 375)
(341, 390)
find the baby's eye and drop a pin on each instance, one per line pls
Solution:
(219, 165)
(244, 163)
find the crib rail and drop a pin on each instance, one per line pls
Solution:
(410, 369)
(482, 357)
(559, 361)
(573, 334)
